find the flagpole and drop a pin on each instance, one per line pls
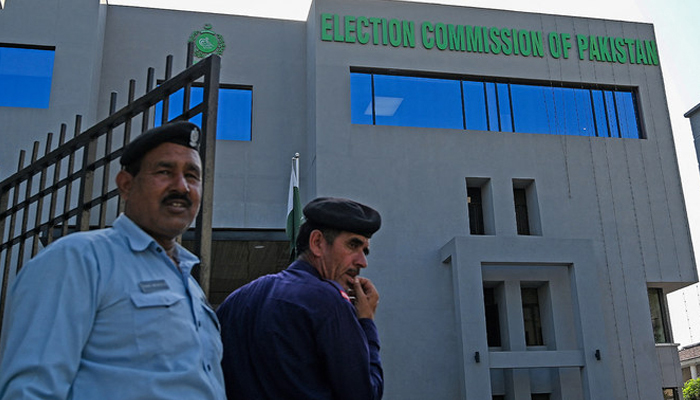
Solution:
(295, 161)
(294, 214)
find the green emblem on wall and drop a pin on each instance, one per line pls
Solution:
(207, 42)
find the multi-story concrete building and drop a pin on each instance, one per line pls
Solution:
(523, 163)
(690, 354)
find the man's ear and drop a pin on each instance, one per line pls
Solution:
(124, 182)
(316, 242)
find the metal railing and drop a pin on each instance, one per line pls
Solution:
(50, 197)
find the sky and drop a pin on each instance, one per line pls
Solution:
(677, 27)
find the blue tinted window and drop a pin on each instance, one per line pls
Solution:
(361, 98)
(503, 107)
(419, 102)
(492, 107)
(25, 77)
(600, 112)
(561, 111)
(234, 120)
(504, 111)
(610, 112)
(532, 109)
(475, 105)
(562, 99)
(627, 115)
(574, 113)
(585, 125)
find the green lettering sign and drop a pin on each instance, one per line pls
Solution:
(427, 35)
(456, 37)
(475, 42)
(350, 29)
(326, 27)
(508, 41)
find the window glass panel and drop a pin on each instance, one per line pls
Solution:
(531, 317)
(601, 119)
(235, 115)
(670, 394)
(25, 77)
(492, 107)
(567, 112)
(577, 112)
(234, 119)
(610, 112)
(475, 105)
(656, 308)
(584, 113)
(493, 324)
(558, 107)
(361, 98)
(626, 113)
(522, 220)
(532, 108)
(504, 107)
(175, 104)
(419, 102)
(476, 213)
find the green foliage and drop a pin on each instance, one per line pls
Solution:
(691, 389)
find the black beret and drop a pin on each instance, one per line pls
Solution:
(183, 133)
(343, 214)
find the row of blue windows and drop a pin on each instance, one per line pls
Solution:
(25, 81)
(26, 73)
(490, 106)
(25, 76)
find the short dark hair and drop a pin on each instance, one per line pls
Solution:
(302, 245)
(133, 168)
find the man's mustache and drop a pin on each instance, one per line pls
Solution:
(183, 197)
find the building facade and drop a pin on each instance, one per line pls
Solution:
(524, 166)
(690, 354)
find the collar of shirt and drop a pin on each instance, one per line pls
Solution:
(139, 240)
(301, 265)
(306, 267)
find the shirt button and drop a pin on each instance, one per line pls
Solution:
(208, 367)
(160, 250)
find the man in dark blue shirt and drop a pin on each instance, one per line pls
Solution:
(296, 334)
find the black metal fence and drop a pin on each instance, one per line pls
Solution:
(71, 187)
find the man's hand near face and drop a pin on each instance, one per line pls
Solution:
(367, 297)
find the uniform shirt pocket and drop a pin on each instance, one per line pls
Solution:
(162, 323)
(157, 299)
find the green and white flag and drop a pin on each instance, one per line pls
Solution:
(294, 215)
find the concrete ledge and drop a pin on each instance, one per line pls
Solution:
(536, 359)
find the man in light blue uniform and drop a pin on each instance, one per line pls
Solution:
(114, 313)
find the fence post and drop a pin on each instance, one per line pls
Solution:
(8, 249)
(203, 232)
(86, 182)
